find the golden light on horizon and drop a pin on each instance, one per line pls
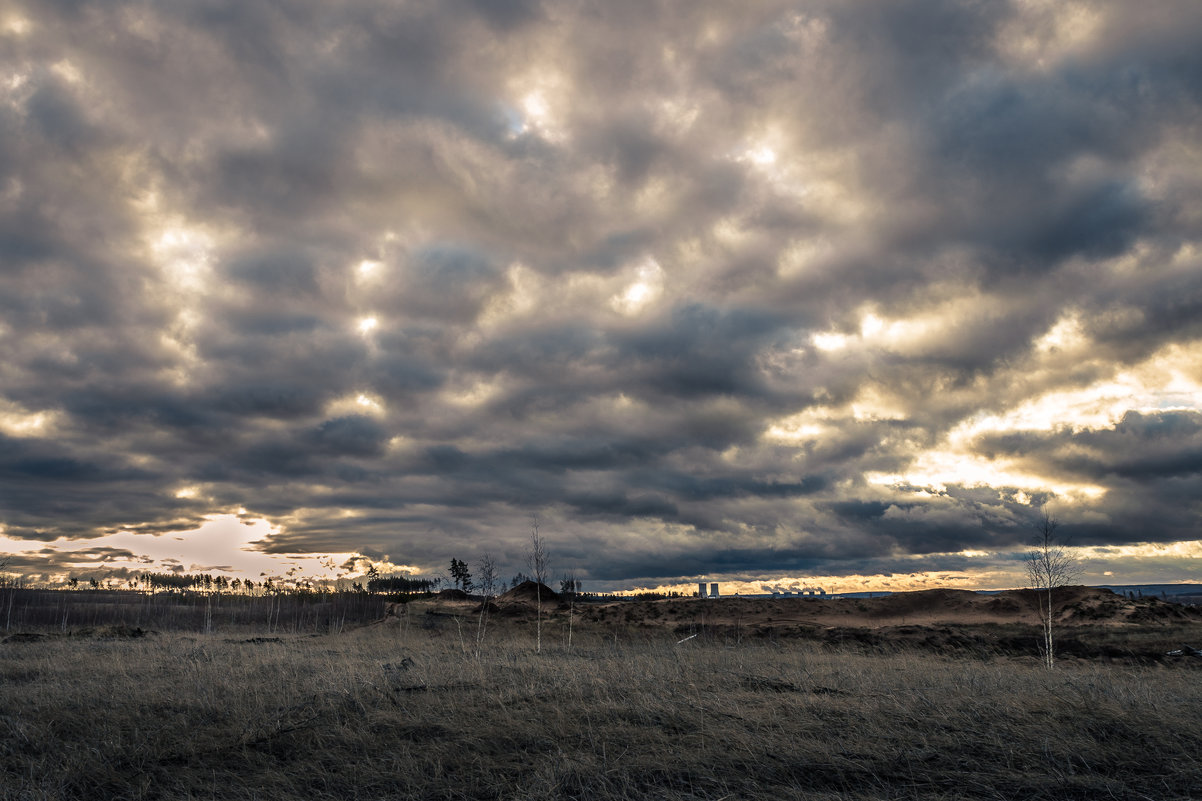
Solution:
(987, 579)
(224, 544)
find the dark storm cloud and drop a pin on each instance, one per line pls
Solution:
(289, 271)
(50, 491)
(687, 279)
(699, 351)
(442, 282)
(1150, 461)
(1142, 447)
(43, 564)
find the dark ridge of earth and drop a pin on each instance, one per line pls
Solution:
(1089, 622)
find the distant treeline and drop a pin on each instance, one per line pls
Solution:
(208, 583)
(400, 584)
(283, 611)
(201, 602)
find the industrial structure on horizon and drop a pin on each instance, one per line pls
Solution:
(710, 590)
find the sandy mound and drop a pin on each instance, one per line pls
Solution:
(924, 603)
(1073, 606)
(529, 592)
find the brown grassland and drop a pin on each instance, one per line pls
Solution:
(415, 706)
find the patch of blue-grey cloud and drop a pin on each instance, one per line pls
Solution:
(395, 277)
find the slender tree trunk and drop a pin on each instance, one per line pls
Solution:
(1048, 633)
(481, 627)
(537, 558)
(571, 615)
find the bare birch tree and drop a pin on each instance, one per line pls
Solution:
(570, 587)
(1049, 566)
(486, 572)
(536, 560)
(11, 583)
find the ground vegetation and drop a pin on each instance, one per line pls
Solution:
(907, 697)
(407, 711)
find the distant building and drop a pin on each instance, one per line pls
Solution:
(701, 589)
(714, 590)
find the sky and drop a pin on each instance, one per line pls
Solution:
(815, 292)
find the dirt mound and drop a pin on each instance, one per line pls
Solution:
(25, 636)
(1073, 606)
(924, 602)
(1006, 606)
(1078, 594)
(529, 592)
(1151, 610)
(453, 595)
(122, 632)
(1097, 605)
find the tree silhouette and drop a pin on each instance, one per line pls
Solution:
(487, 571)
(537, 561)
(460, 576)
(1049, 566)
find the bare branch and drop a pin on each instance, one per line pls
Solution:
(1049, 566)
(536, 558)
(486, 573)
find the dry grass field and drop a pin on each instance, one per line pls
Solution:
(413, 708)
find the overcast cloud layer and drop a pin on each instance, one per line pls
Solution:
(715, 288)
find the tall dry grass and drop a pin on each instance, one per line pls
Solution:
(400, 712)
